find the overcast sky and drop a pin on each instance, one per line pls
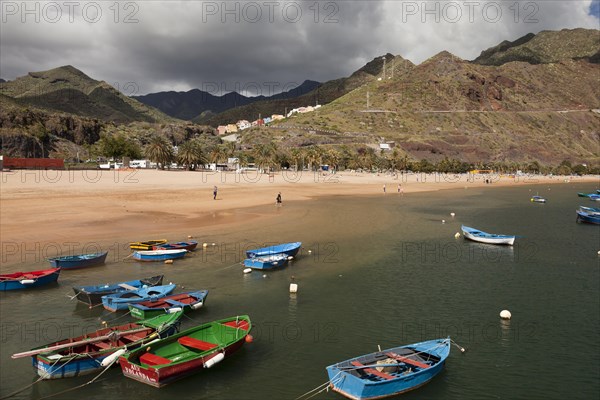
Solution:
(264, 46)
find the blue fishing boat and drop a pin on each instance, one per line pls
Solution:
(389, 372)
(594, 197)
(186, 302)
(93, 351)
(590, 210)
(266, 262)
(159, 255)
(585, 194)
(121, 301)
(189, 246)
(92, 295)
(27, 280)
(78, 261)
(289, 249)
(590, 218)
(484, 237)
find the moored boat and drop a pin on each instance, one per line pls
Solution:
(92, 295)
(85, 354)
(590, 218)
(585, 194)
(78, 261)
(289, 249)
(158, 255)
(538, 199)
(389, 372)
(484, 237)
(27, 280)
(121, 301)
(266, 262)
(176, 302)
(590, 210)
(594, 197)
(147, 245)
(187, 352)
(189, 246)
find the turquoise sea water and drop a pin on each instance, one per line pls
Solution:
(382, 270)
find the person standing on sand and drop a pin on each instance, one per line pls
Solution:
(215, 193)
(278, 199)
(384, 188)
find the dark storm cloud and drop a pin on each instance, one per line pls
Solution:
(255, 46)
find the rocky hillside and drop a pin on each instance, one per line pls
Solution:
(448, 107)
(545, 47)
(325, 93)
(68, 90)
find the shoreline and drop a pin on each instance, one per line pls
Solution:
(49, 213)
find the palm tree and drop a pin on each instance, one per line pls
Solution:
(296, 155)
(190, 155)
(159, 150)
(265, 154)
(333, 157)
(218, 153)
(314, 155)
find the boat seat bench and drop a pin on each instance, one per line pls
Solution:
(373, 371)
(153, 359)
(188, 341)
(243, 324)
(102, 345)
(407, 360)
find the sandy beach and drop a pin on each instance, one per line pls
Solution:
(45, 213)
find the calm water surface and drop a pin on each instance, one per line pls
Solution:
(381, 271)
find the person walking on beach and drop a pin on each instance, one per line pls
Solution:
(215, 193)
(278, 199)
(384, 188)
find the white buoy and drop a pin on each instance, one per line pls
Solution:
(599, 252)
(247, 270)
(293, 288)
(264, 275)
(457, 235)
(26, 281)
(452, 214)
(218, 358)
(197, 305)
(168, 261)
(173, 310)
(443, 221)
(290, 258)
(505, 314)
(190, 237)
(204, 244)
(310, 251)
(214, 244)
(109, 360)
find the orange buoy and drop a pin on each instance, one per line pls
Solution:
(249, 339)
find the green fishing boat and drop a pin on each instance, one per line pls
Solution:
(187, 352)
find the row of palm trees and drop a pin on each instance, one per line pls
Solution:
(269, 156)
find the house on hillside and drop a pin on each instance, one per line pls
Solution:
(243, 124)
(277, 117)
(387, 146)
(232, 128)
(221, 130)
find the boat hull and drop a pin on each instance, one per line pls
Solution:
(192, 301)
(149, 245)
(588, 217)
(116, 302)
(483, 237)
(265, 262)
(188, 352)
(289, 249)
(189, 246)
(166, 375)
(159, 255)
(74, 262)
(87, 362)
(92, 295)
(346, 381)
(25, 281)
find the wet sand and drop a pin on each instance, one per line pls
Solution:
(45, 213)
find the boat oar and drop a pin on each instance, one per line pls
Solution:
(74, 344)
